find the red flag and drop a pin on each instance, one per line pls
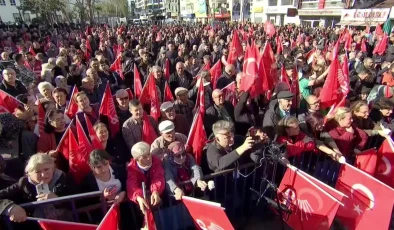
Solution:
(200, 101)
(311, 206)
(148, 132)
(381, 46)
(330, 92)
(167, 94)
(149, 220)
(363, 46)
(366, 161)
(31, 50)
(284, 77)
(235, 49)
(72, 107)
(215, 72)
(384, 167)
(367, 201)
(345, 80)
(334, 108)
(117, 67)
(167, 70)
(46, 224)
(310, 56)
(41, 117)
(92, 135)
(64, 144)
(8, 103)
(230, 94)
(250, 69)
(78, 154)
(267, 69)
(279, 45)
(197, 137)
(150, 95)
(88, 46)
(88, 30)
(131, 96)
(207, 214)
(107, 108)
(111, 219)
(379, 30)
(137, 83)
(269, 29)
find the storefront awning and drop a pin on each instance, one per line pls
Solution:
(356, 23)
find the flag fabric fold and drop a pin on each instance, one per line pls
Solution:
(96, 144)
(64, 225)
(148, 132)
(8, 103)
(41, 118)
(137, 82)
(385, 162)
(107, 108)
(366, 161)
(72, 107)
(167, 93)
(111, 219)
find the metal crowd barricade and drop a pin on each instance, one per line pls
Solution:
(72, 199)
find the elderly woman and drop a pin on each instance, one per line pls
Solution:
(347, 136)
(61, 82)
(289, 133)
(116, 150)
(180, 167)
(61, 65)
(168, 136)
(42, 182)
(45, 89)
(361, 119)
(144, 167)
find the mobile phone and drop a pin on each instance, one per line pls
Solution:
(42, 189)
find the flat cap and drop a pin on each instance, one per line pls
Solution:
(285, 95)
(166, 105)
(122, 93)
(180, 91)
(176, 147)
(166, 126)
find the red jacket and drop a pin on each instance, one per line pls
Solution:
(347, 141)
(153, 178)
(297, 146)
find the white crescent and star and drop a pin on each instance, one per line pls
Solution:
(314, 194)
(247, 62)
(388, 166)
(367, 192)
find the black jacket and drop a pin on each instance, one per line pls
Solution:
(13, 91)
(271, 118)
(224, 80)
(212, 115)
(245, 116)
(175, 81)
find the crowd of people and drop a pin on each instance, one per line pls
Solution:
(62, 65)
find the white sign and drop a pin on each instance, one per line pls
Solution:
(322, 12)
(362, 15)
(276, 10)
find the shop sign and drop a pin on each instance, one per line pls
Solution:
(362, 15)
(276, 10)
(325, 12)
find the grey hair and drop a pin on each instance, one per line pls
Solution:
(222, 125)
(140, 149)
(44, 85)
(38, 159)
(156, 68)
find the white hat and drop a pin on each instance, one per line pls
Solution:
(166, 105)
(166, 126)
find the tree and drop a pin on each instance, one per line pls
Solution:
(46, 9)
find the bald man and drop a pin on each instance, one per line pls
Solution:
(220, 110)
(10, 84)
(227, 77)
(180, 78)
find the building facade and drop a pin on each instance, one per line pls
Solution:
(150, 9)
(276, 11)
(320, 13)
(187, 10)
(9, 12)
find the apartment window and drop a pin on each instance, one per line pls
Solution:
(13, 3)
(272, 2)
(2, 2)
(17, 17)
(287, 2)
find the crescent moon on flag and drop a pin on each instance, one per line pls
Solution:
(247, 62)
(388, 166)
(314, 194)
(367, 192)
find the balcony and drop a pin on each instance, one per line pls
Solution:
(327, 5)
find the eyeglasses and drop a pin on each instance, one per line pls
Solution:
(123, 98)
(180, 155)
(228, 135)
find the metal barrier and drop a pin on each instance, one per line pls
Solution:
(72, 199)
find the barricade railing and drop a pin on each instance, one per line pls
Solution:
(72, 199)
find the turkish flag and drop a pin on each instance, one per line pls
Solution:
(334, 108)
(368, 203)
(330, 93)
(72, 107)
(31, 50)
(137, 82)
(206, 214)
(150, 95)
(92, 135)
(107, 108)
(148, 132)
(200, 101)
(8, 103)
(366, 161)
(235, 49)
(167, 93)
(384, 167)
(267, 69)
(64, 144)
(197, 137)
(117, 66)
(167, 70)
(284, 77)
(216, 72)
(64, 225)
(250, 69)
(230, 94)
(111, 219)
(41, 117)
(311, 206)
(381, 46)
